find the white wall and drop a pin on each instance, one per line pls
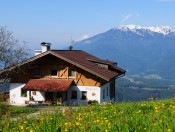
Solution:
(93, 93)
(15, 94)
(40, 96)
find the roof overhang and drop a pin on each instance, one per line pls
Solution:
(61, 57)
(52, 85)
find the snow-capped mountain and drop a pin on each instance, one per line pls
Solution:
(165, 30)
(140, 50)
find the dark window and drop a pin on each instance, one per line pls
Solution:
(107, 92)
(54, 73)
(84, 95)
(36, 72)
(74, 94)
(103, 93)
(23, 93)
(71, 73)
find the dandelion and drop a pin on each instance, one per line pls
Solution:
(77, 123)
(21, 127)
(66, 123)
(169, 130)
(106, 121)
(25, 122)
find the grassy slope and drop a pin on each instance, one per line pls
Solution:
(150, 116)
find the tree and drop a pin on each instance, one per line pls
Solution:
(11, 51)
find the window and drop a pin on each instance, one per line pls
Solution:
(103, 93)
(36, 72)
(54, 73)
(74, 95)
(107, 92)
(23, 93)
(33, 92)
(71, 73)
(84, 95)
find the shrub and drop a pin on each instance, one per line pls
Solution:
(93, 102)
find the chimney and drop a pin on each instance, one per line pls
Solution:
(44, 47)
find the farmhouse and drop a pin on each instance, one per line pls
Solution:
(65, 76)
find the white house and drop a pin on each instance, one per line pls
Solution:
(66, 76)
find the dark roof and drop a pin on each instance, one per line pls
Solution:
(82, 60)
(52, 85)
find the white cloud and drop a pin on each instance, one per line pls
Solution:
(129, 16)
(125, 18)
(82, 38)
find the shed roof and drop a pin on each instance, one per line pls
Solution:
(52, 85)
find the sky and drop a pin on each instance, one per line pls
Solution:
(60, 21)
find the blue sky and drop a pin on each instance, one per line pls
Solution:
(56, 21)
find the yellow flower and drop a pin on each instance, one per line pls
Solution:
(106, 121)
(25, 122)
(169, 130)
(77, 123)
(66, 123)
(21, 127)
(31, 130)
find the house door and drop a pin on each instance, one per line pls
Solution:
(49, 96)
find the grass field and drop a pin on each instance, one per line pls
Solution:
(149, 116)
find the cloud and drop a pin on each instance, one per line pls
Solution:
(129, 16)
(81, 38)
(125, 18)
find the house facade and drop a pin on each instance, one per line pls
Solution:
(65, 76)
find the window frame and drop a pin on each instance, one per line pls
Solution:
(53, 75)
(23, 93)
(82, 95)
(70, 73)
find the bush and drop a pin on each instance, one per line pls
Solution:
(93, 102)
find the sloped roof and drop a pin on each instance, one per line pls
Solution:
(82, 60)
(52, 85)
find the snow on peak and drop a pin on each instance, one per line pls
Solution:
(163, 29)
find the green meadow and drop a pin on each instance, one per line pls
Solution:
(146, 116)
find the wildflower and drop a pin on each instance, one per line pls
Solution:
(77, 123)
(106, 121)
(25, 122)
(169, 130)
(66, 123)
(21, 127)
(139, 111)
(31, 130)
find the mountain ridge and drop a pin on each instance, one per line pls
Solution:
(139, 50)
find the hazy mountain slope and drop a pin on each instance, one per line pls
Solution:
(140, 50)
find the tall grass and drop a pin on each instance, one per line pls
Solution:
(151, 116)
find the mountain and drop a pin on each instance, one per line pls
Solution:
(148, 52)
